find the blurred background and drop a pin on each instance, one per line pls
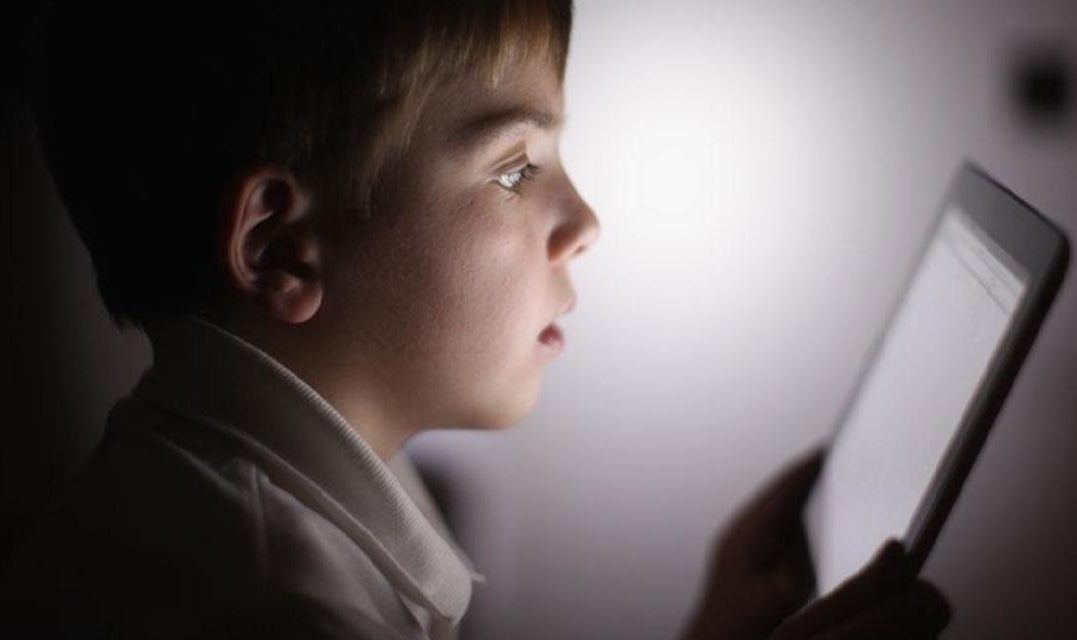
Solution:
(765, 172)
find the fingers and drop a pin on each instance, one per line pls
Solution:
(766, 531)
(781, 499)
(790, 488)
(919, 611)
(886, 573)
(881, 602)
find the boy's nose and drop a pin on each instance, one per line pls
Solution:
(578, 229)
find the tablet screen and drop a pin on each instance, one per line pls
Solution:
(922, 380)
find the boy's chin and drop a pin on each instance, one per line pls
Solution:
(506, 411)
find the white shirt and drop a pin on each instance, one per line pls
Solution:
(229, 499)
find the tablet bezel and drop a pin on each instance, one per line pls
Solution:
(1041, 250)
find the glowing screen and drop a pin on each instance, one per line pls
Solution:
(913, 398)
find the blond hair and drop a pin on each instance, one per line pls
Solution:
(144, 127)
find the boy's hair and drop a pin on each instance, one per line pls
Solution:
(144, 127)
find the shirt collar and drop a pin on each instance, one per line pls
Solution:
(204, 371)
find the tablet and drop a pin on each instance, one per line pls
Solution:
(936, 379)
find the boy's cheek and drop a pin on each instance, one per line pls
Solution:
(455, 288)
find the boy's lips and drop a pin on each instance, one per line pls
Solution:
(552, 337)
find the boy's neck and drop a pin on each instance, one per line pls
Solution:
(356, 397)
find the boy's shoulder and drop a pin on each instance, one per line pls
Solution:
(223, 489)
(170, 521)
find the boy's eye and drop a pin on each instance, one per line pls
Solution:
(512, 180)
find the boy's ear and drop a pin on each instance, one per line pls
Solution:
(271, 250)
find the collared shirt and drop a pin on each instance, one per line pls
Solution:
(228, 498)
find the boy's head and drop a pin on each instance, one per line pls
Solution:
(369, 190)
(147, 115)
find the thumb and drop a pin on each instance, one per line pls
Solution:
(785, 494)
(887, 571)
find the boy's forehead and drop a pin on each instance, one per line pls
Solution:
(468, 111)
(488, 124)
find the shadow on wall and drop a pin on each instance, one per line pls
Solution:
(65, 363)
(1041, 79)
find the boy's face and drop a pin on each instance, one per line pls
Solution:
(442, 304)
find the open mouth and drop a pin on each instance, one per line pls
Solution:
(552, 338)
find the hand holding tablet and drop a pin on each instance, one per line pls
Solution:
(762, 575)
(862, 520)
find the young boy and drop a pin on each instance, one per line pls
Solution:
(340, 224)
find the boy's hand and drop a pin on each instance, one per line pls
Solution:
(885, 601)
(762, 575)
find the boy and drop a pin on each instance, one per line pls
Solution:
(340, 224)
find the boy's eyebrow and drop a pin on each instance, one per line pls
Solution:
(489, 126)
